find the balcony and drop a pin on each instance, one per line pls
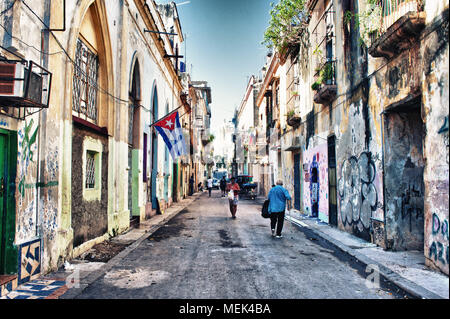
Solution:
(293, 119)
(324, 40)
(325, 84)
(401, 23)
(206, 137)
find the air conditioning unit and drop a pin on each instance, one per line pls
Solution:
(22, 85)
(11, 79)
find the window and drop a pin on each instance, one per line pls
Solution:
(85, 80)
(90, 170)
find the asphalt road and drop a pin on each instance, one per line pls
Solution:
(204, 254)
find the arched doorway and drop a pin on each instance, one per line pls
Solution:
(154, 166)
(91, 111)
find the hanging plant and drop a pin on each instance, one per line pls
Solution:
(368, 21)
(290, 114)
(288, 26)
(316, 85)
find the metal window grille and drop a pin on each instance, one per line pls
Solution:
(85, 79)
(90, 170)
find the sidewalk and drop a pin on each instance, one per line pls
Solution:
(69, 283)
(406, 269)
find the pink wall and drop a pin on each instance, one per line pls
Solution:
(316, 157)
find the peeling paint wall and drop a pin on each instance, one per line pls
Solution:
(404, 186)
(89, 215)
(435, 99)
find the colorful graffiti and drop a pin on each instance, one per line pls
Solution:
(316, 180)
(438, 250)
(26, 144)
(314, 185)
(27, 172)
(358, 196)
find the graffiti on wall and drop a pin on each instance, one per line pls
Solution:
(27, 170)
(444, 132)
(358, 196)
(412, 202)
(440, 235)
(315, 200)
(48, 211)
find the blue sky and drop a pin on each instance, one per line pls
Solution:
(223, 45)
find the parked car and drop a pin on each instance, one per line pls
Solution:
(248, 188)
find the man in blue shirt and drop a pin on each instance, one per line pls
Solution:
(278, 196)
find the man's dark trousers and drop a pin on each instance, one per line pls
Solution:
(278, 220)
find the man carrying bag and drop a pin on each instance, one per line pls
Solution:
(277, 197)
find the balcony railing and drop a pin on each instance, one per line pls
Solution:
(325, 84)
(401, 22)
(392, 10)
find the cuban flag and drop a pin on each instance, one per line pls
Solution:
(170, 130)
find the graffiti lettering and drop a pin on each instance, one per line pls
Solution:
(438, 249)
(437, 226)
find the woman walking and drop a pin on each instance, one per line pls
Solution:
(233, 188)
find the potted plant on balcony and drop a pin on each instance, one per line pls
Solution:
(293, 119)
(326, 76)
(325, 85)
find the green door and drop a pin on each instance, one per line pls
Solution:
(8, 158)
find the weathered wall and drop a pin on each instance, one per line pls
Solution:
(435, 99)
(359, 170)
(404, 187)
(89, 216)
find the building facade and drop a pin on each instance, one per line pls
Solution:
(79, 158)
(362, 120)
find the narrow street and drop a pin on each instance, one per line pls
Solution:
(203, 253)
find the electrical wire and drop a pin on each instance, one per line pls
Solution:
(95, 85)
(26, 44)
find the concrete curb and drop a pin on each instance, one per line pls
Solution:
(390, 275)
(91, 277)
